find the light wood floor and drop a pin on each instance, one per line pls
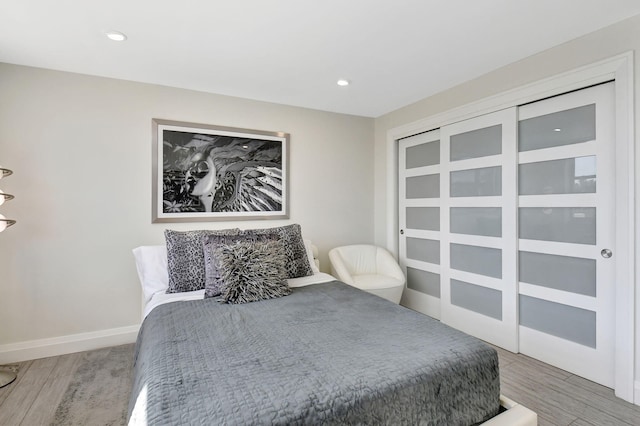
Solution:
(33, 397)
(559, 398)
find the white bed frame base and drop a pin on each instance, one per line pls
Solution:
(516, 415)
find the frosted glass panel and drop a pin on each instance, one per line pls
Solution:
(423, 281)
(478, 260)
(476, 143)
(427, 218)
(562, 224)
(424, 250)
(476, 182)
(426, 154)
(485, 221)
(568, 176)
(560, 128)
(565, 273)
(567, 322)
(425, 186)
(485, 301)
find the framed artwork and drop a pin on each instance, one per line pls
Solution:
(207, 173)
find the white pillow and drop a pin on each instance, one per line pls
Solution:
(312, 262)
(151, 262)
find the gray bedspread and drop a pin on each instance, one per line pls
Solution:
(326, 354)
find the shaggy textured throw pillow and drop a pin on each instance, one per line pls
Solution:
(252, 271)
(213, 282)
(291, 237)
(185, 258)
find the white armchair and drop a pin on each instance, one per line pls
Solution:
(369, 268)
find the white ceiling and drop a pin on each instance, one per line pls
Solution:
(394, 52)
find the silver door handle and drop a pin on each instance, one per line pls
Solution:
(606, 253)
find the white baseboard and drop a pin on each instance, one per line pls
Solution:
(34, 349)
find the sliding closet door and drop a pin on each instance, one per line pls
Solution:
(508, 228)
(566, 232)
(419, 217)
(478, 227)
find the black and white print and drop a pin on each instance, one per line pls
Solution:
(216, 173)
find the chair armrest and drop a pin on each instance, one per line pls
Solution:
(387, 265)
(339, 269)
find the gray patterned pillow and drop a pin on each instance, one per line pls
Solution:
(291, 237)
(185, 258)
(213, 282)
(252, 271)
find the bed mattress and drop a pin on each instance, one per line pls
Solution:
(326, 354)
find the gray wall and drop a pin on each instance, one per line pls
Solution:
(80, 149)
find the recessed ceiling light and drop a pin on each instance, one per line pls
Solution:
(343, 82)
(116, 36)
(557, 130)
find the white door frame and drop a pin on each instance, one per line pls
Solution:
(620, 69)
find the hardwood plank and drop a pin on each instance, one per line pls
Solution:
(582, 422)
(583, 390)
(15, 407)
(592, 387)
(5, 391)
(571, 398)
(505, 356)
(622, 409)
(521, 391)
(604, 392)
(542, 421)
(599, 397)
(517, 385)
(44, 407)
(543, 367)
(67, 365)
(612, 412)
(44, 363)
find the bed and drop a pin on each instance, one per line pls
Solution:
(327, 353)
